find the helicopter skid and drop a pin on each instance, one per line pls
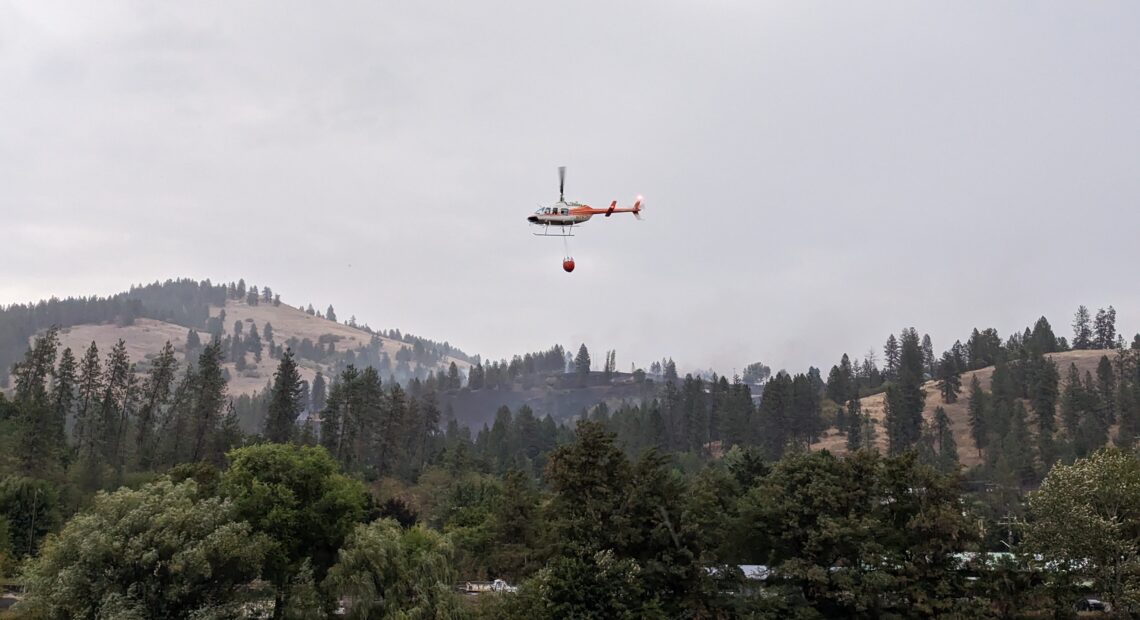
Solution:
(559, 232)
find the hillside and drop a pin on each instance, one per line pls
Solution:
(958, 412)
(145, 337)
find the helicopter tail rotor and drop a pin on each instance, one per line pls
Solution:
(638, 207)
(561, 183)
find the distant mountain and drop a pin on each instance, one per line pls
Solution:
(147, 317)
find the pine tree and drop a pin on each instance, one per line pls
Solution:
(32, 373)
(979, 414)
(891, 357)
(1044, 390)
(284, 401)
(855, 439)
(193, 342)
(1106, 389)
(253, 343)
(582, 365)
(1127, 404)
(1016, 445)
(454, 381)
(36, 416)
(905, 398)
(949, 381)
(1082, 332)
(947, 460)
(319, 393)
(116, 407)
(156, 392)
(90, 387)
(1092, 427)
(1042, 340)
(330, 314)
(930, 363)
(837, 385)
(209, 400)
(390, 444)
(1104, 328)
(63, 396)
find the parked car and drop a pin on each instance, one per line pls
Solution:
(1091, 604)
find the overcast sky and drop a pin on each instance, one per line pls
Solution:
(818, 175)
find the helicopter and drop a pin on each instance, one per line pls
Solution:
(564, 216)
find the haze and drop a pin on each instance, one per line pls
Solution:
(817, 175)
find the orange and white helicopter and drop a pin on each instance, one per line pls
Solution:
(564, 216)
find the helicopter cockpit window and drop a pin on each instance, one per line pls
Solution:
(546, 211)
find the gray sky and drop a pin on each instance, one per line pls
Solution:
(818, 175)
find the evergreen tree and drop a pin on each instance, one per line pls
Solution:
(855, 439)
(63, 396)
(930, 363)
(390, 432)
(1072, 401)
(1044, 390)
(582, 365)
(905, 397)
(949, 381)
(984, 348)
(285, 403)
(947, 460)
(193, 342)
(1017, 445)
(116, 407)
(891, 357)
(1092, 426)
(330, 314)
(37, 452)
(253, 343)
(838, 387)
(1042, 340)
(979, 414)
(32, 374)
(90, 387)
(319, 393)
(454, 381)
(775, 415)
(1106, 390)
(156, 392)
(209, 401)
(1104, 328)
(1082, 331)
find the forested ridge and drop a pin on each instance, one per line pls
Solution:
(142, 494)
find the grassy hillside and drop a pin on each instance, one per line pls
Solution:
(145, 337)
(958, 412)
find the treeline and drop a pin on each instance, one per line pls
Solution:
(90, 419)
(361, 492)
(182, 302)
